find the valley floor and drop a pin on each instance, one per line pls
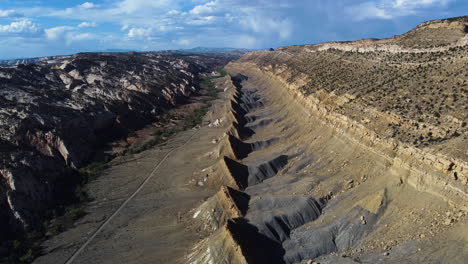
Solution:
(149, 229)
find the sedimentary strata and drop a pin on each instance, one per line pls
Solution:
(356, 165)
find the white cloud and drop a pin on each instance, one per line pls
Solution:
(67, 35)
(87, 24)
(134, 6)
(417, 3)
(173, 12)
(368, 10)
(57, 33)
(262, 24)
(389, 9)
(174, 22)
(8, 13)
(184, 42)
(72, 37)
(200, 21)
(88, 5)
(21, 26)
(140, 32)
(207, 8)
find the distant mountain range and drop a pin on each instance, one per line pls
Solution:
(52, 59)
(213, 50)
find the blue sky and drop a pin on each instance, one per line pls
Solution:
(30, 28)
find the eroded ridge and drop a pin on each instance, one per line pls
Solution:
(302, 190)
(245, 228)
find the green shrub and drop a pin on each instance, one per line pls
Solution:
(74, 213)
(30, 255)
(93, 170)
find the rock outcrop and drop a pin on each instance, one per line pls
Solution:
(55, 115)
(409, 107)
(364, 148)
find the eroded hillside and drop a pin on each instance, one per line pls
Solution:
(56, 116)
(418, 97)
(351, 152)
(343, 153)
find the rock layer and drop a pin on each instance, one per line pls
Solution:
(384, 196)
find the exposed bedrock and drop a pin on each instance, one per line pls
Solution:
(227, 203)
(237, 149)
(258, 174)
(338, 236)
(378, 194)
(239, 176)
(275, 216)
(55, 118)
(219, 247)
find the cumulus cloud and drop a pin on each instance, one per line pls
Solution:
(88, 5)
(21, 26)
(57, 33)
(206, 8)
(87, 24)
(389, 9)
(9, 14)
(140, 32)
(175, 19)
(67, 35)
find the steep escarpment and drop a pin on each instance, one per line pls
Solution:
(414, 102)
(55, 117)
(356, 162)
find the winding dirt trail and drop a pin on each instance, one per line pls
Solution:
(140, 204)
(90, 239)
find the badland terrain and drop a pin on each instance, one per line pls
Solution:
(342, 152)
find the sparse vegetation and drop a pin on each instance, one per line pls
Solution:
(427, 88)
(159, 137)
(192, 120)
(93, 170)
(28, 247)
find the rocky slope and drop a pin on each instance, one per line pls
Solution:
(55, 115)
(343, 153)
(403, 98)
(42, 60)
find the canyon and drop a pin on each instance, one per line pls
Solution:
(58, 114)
(344, 152)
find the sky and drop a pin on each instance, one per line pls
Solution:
(33, 28)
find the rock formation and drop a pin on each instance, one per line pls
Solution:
(373, 142)
(55, 115)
